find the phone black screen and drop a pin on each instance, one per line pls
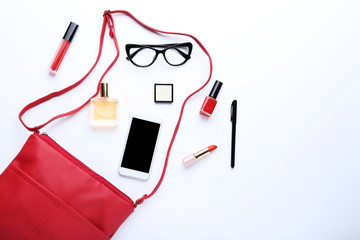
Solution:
(140, 145)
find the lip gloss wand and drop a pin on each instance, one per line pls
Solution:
(63, 47)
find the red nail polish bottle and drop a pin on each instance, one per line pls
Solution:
(210, 101)
(64, 45)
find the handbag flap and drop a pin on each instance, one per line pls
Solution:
(60, 173)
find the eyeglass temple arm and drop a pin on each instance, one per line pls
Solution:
(174, 46)
(134, 53)
(177, 45)
(186, 56)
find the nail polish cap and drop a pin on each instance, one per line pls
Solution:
(216, 89)
(70, 32)
(104, 90)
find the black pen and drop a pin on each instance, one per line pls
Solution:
(233, 134)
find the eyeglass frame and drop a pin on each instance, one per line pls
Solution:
(157, 51)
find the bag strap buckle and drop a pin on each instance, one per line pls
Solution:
(140, 200)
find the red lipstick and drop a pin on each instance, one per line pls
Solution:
(189, 160)
(63, 47)
(210, 101)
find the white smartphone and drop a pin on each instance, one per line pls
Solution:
(140, 146)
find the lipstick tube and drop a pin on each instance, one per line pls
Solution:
(193, 158)
(63, 47)
(210, 101)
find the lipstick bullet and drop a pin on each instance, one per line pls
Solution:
(191, 159)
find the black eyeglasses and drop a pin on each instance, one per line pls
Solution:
(175, 54)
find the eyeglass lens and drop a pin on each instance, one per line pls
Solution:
(176, 56)
(142, 56)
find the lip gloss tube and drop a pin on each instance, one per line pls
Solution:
(193, 158)
(210, 101)
(63, 47)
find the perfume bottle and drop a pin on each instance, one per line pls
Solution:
(104, 109)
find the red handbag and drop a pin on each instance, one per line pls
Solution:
(46, 193)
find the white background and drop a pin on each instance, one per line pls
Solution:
(294, 68)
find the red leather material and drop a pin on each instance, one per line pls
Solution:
(46, 193)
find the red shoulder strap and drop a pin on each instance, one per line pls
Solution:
(108, 20)
(65, 90)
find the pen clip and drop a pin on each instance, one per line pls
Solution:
(233, 111)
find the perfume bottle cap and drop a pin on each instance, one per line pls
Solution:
(70, 32)
(216, 89)
(104, 90)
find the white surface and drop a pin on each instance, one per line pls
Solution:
(293, 66)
